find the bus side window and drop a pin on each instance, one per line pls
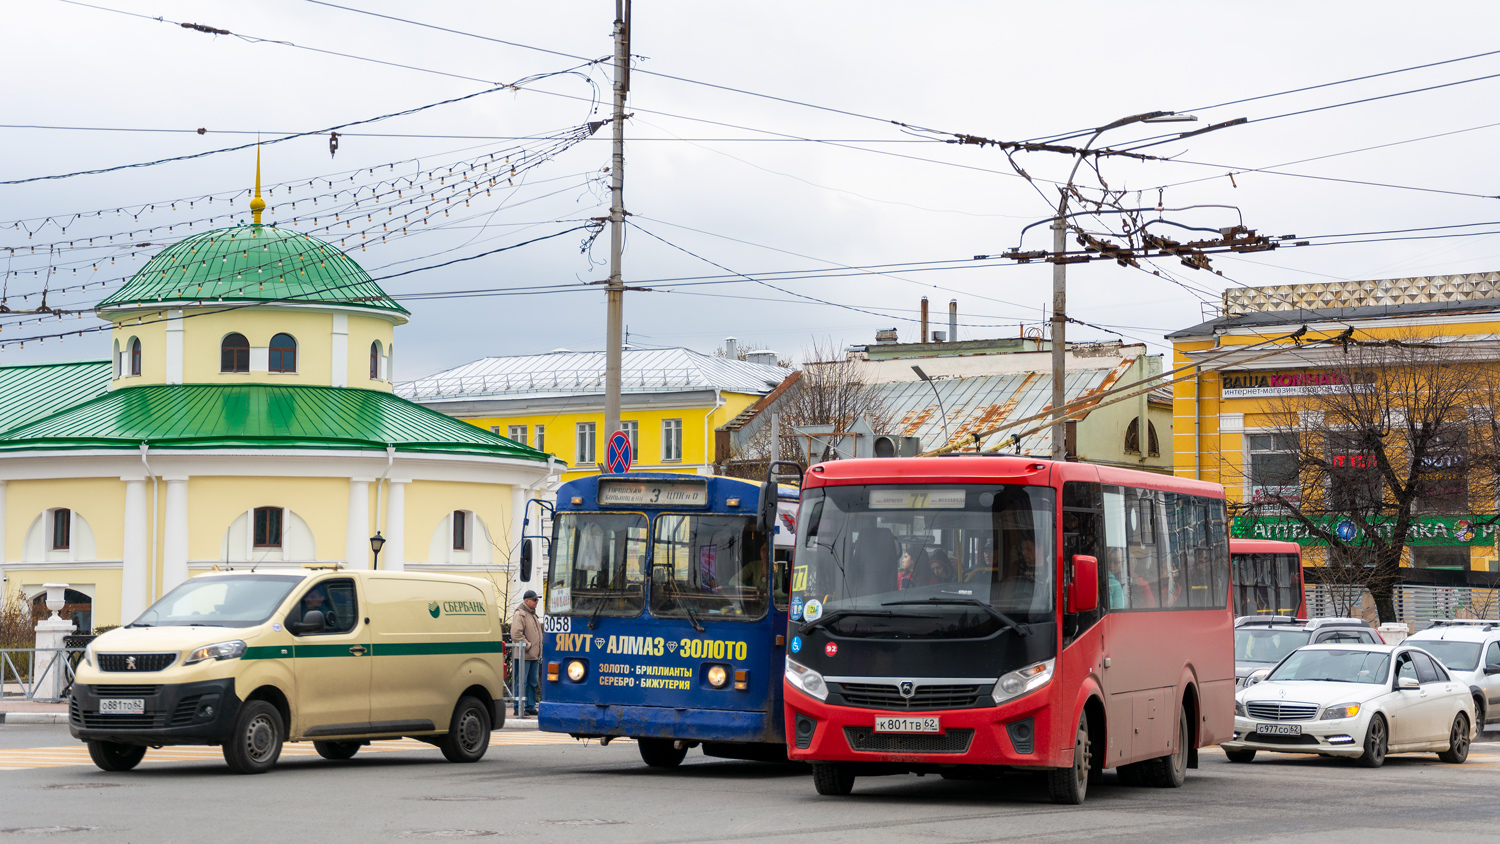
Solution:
(781, 579)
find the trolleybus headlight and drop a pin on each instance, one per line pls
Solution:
(1342, 710)
(1023, 680)
(576, 671)
(717, 676)
(806, 679)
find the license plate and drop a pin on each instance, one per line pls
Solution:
(122, 706)
(907, 725)
(1279, 729)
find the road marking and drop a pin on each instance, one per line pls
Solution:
(25, 758)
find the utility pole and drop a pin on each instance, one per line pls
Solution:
(616, 289)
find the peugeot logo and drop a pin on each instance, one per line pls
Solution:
(130, 664)
(907, 688)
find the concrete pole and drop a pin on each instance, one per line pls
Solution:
(1059, 326)
(616, 291)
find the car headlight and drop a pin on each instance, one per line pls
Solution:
(219, 650)
(1257, 676)
(1023, 680)
(1239, 709)
(806, 679)
(717, 676)
(577, 671)
(1341, 710)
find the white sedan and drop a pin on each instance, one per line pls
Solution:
(1359, 701)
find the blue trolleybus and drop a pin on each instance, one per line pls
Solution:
(666, 612)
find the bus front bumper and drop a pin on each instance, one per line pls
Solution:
(1017, 733)
(594, 720)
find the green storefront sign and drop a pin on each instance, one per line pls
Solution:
(1426, 530)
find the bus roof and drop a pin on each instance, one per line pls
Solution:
(1263, 546)
(990, 468)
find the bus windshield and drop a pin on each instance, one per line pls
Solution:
(709, 567)
(925, 561)
(598, 564)
(1267, 584)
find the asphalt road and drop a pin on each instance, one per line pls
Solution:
(571, 792)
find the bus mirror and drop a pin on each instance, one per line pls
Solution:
(1083, 591)
(526, 553)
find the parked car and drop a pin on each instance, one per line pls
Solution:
(1354, 700)
(1261, 641)
(1470, 650)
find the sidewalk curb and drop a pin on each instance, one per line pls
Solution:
(33, 717)
(520, 724)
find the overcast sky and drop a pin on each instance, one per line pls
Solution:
(723, 183)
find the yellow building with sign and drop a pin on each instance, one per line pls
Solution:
(671, 402)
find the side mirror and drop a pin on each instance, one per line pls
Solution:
(312, 622)
(1492, 669)
(526, 553)
(1083, 590)
(1407, 683)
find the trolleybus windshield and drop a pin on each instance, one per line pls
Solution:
(708, 567)
(934, 561)
(600, 565)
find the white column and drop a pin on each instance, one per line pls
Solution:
(136, 535)
(393, 556)
(174, 347)
(2, 525)
(357, 540)
(175, 541)
(340, 363)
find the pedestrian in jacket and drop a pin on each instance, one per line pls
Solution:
(526, 627)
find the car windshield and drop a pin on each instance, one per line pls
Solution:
(1253, 644)
(1458, 656)
(1334, 666)
(925, 561)
(598, 564)
(240, 601)
(709, 567)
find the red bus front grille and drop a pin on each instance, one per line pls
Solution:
(887, 696)
(865, 738)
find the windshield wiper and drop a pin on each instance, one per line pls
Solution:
(998, 615)
(594, 616)
(836, 614)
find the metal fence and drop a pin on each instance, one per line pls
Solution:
(1415, 605)
(37, 674)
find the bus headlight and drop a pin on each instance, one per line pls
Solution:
(806, 679)
(577, 671)
(1023, 680)
(220, 650)
(717, 676)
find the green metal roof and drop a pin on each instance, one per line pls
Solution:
(212, 416)
(252, 264)
(29, 393)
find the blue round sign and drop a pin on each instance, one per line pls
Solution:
(797, 608)
(796, 644)
(617, 455)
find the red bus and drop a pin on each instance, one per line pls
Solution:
(964, 615)
(1267, 578)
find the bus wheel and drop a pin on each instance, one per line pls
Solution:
(1069, 785)
(832, 779)
(661, 753)
(1170, 771)
(113, 756)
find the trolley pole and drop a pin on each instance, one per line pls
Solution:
(616, 289)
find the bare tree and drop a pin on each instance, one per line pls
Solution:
(1388, 432)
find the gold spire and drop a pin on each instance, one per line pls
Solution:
(257, 205)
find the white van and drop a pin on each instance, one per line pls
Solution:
(247, 661)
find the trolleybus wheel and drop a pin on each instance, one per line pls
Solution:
(113, 756)
(1170, 771)
(661, 753)
(832, 779)
(337, 749)
(1240, 755)
(1069, 785)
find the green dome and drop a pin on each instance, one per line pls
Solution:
(252, 263)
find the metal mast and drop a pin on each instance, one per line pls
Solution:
(616, 289)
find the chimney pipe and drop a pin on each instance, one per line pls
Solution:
(952, 320)
(731, 348)
(924, 321)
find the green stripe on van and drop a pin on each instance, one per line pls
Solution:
(402, 649)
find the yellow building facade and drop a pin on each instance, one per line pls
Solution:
(245, 417)
(671, 402)
(1251, 379)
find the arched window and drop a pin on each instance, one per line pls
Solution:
(375, 360)
(1133, 438)
(135, 356)
(283, 353)
(234, 354)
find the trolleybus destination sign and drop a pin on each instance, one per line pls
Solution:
(686, 493)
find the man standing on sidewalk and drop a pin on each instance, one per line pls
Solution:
(526, 627)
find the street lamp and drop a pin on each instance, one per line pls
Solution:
(920, 374)
(1060, 272)
(377, 542)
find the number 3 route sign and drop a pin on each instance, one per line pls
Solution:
(617, 456)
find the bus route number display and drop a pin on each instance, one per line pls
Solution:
(653, 493)
(939, 498)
